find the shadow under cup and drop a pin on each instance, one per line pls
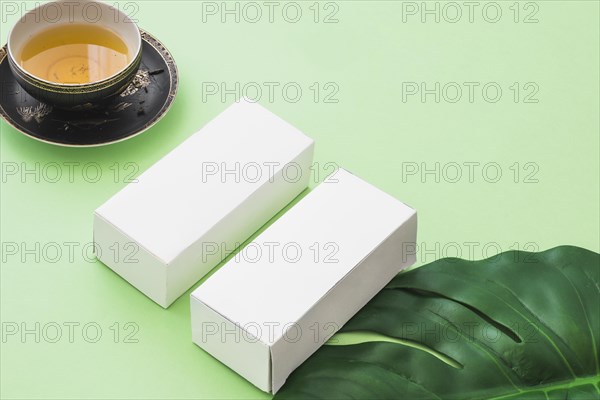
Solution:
(54, 14)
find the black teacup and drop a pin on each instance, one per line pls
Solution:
(74, 53)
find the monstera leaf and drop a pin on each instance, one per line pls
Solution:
(517, 325)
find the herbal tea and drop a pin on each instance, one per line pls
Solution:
(74, 54)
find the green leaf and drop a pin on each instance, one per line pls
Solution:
(518, 325)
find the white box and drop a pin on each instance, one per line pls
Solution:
(263, 315)
(202, 200)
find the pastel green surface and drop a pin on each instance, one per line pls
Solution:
(365, 56)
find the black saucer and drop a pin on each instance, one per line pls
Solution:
(139, 107)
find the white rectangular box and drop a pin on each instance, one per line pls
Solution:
(283, 295)
(202, 200)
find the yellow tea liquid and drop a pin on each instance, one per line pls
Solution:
(74, 53)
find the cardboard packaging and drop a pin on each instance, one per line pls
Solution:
(289, 290)
(184, 214)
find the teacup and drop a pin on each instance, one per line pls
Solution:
(74, 53)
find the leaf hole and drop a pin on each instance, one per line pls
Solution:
(358, 337)
(501, 327)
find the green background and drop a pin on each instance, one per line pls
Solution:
(367, 55)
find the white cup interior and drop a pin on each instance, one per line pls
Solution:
(73, 12)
